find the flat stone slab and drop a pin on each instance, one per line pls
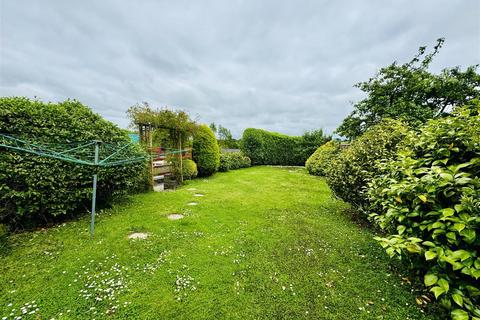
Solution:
(192, 203)
(138, 235)
(175, 216)
(198, 195)
(192, 189)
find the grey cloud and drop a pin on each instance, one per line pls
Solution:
(287, 66)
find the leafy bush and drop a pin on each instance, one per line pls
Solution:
(206, 152)
(349, 173)
(233, 160)
(264, 147)
(34, 189)
(309, 142)
(317, 164)
(189, 168)
(428, 200)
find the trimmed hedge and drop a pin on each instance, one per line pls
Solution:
(318, 163)
(427, 199)
(233, 160)
(35, 189)
(350, 171)
(264, 147)
(206, 152)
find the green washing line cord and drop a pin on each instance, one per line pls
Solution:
(109, 154)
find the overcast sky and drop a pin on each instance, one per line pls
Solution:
(286, 66)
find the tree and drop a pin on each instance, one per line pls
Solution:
(310, 141)
(411, 93)
(224, 133)
(213, 126)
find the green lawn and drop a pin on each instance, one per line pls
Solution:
(263, 243)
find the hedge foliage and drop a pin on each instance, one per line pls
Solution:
(264, 147)
(428, 201)
(233, 160)
(350, 171)
(35, 189)
(271, 148)
(189, 168)
(318, 163)
(206, 152)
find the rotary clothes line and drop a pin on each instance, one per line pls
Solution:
(90, 153)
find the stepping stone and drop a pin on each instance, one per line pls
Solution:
(138, 235)
(175, 216)
(192, 189)
(192, 203)
(198, 195)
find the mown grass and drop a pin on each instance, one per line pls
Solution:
(262, 243)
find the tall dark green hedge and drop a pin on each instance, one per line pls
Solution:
(35, 189)
(206, 152)
(271, 148)
(264, 147)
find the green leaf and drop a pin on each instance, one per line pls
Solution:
(430, 279)
(463, 180)
(401, 229)
(446, 176)
(429, 255)
(437, 225)
(461, 254)
(443, 284)
(423, 198)
(459, 314)
(469, 235)
(459, 226)
(437, 291)
(458, 299)
(429, 244)
(447, 212)
(451, 236)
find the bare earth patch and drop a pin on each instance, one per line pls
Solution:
(175, 216)
(138, 235)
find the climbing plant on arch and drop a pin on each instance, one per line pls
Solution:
(178, 124)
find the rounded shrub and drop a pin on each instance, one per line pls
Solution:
(225, 162)
(233, 160)
(189, 169)
(35, 189)
(349, 172)
(206, 152)
(318, 163)
(427, 199)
